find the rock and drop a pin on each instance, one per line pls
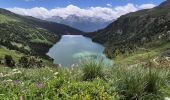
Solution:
(168, 35)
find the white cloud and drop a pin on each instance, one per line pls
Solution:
(107, 13)
(146, 6)
(109, 5)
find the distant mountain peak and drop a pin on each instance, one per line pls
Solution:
(84, 23)
(165, 4)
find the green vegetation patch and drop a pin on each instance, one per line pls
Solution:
(4, 51)
(6, 19)
(41, 41)
(149, 51)
(117, 83)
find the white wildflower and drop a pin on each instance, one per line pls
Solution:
(167, 98)
(18, 72)
(1, 75)
(6, 75)
(56, 73)
(15, 70)
(9, 80)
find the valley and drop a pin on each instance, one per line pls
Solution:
(47, 60)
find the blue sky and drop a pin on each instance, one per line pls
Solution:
(49, 4)
(104, 9)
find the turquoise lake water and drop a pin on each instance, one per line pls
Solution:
(71, 48)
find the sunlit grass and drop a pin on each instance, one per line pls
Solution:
(117, 82)
(92, 69)
(133, 83)
(141, 55)
(4, 51)
(5, 19)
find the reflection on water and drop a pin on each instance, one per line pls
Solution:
(71, 48)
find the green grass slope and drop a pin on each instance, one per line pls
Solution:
(30, 35)
(136, 30)
(91, 81)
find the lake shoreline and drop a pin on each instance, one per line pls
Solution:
(77, 45)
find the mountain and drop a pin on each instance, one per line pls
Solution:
(86, 24)
(148, 28)
(165, 4)
(30, 35)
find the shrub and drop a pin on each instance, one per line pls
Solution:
(24, 62)
(92, 69)
(9, 61)
(137, 83)
(30, 62)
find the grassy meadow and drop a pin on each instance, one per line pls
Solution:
(155, 49)
(91, 80)
(132, 77)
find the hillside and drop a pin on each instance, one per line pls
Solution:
(149, 29)
(30, 35)
(135, 41)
